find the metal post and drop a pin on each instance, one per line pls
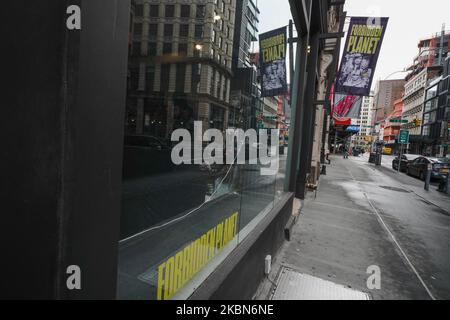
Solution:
(335, 141)
(447, 189)
(291, 54)
(400, 158)
(428, 177)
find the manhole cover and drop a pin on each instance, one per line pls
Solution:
(293, 285)
(395, 189)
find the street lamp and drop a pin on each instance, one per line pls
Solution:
(399, 71)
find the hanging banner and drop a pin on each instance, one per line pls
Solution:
(362, 48)
(345, 105)
(272, 57)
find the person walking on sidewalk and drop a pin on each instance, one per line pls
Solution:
(345, 153)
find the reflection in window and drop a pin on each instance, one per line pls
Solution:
(154, 11)
(171, 211)
(170, 11)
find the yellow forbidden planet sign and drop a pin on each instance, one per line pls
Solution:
(180, 268)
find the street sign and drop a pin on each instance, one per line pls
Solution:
(404, 136)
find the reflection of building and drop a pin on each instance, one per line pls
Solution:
(180, 65)
(436, 117)
(270, 112)
(245, 88)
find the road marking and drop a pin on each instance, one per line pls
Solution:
(394, 239)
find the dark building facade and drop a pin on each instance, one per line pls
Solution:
(245, 87)
(436, 116)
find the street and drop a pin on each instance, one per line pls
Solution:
(367, 216)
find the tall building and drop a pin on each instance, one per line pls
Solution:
(436, 116)
(386, 93)
(180, 65)
(364, 122)
(245, 33)
(432, 50)
(247, 106)
(413, 106)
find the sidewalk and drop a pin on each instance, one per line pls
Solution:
(337, 237)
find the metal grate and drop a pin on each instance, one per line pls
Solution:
(298, 286)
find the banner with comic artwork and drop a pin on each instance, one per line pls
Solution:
(359, 60)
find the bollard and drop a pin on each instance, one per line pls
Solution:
(428, 177)
(447, 188)
(324, 171)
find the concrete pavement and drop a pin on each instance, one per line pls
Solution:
(367, 216)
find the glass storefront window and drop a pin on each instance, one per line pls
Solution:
(179, 221)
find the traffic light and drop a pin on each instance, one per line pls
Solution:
(417, 122)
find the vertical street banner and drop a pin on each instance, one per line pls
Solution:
(345, 105)
(362, 48)
(272, 46)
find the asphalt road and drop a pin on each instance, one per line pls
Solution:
(372, 216)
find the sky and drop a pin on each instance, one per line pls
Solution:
(409, 21)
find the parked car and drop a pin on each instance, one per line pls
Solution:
(440, 167)
(406, 160)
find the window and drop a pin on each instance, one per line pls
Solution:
(167, 48)
(165, 77)
(154, 11)
(181, 76)
(138, 29)
(168, 30)
(201, 12)
(152, 48)
(184, 30)
(139, 10)
(149, 78)
(196, 76)
(153, 29)
(198, 31)
(167, 210)
(170, 11)
(182, 49)
(136, 51)
(185, 11)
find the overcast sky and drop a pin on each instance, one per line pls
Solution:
(409, 21)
